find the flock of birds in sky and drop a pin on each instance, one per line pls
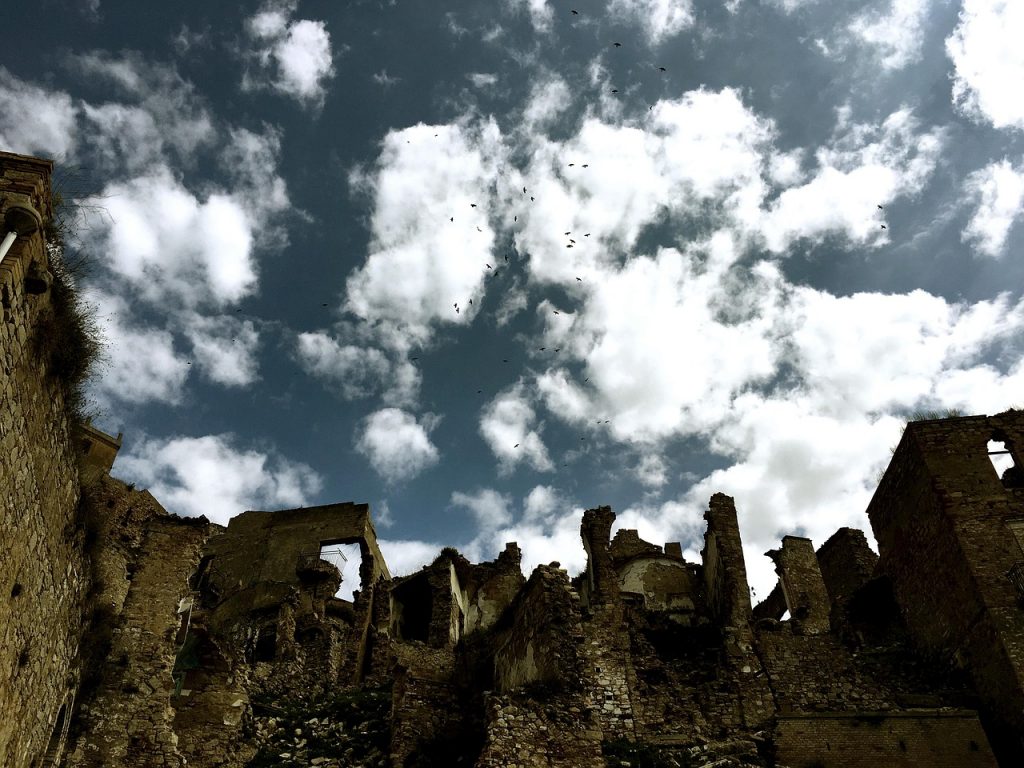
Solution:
(570, 244)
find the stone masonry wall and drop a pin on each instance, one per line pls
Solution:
(940, 517)
(131, 713)
(42, 578)
(951, 739)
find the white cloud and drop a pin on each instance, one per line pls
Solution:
(33, 120)
(897, 35)
(211, 476)
(385, 80)
(482, 79)
(507, 424)
(165, 241)
(989, 61)
(660, 19)
(139, 363)
(998, 192)
(396, 445)
(291, 56)
(224, 348)
(662, 362)
(358, 371)
(652, 471)
(549, 98)
(158, 97)
(404, 557)
(421, 263)
(540, 12)
(490, 509)
(865, 166)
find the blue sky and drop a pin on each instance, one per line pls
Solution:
(754, 237)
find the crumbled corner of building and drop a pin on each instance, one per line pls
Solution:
(130, 636)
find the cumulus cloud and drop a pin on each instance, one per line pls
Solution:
(660, 19)
(140, 363)
(224, 348)
(866, 165)
(490, 509)
(213, 476)
(358, 371)
(34, 120)
(421, 262)
(397, 446)
(164, 240)
(896, 33)
(539, 11)
(989, 61)
(292, 56)
(507, 425)
(404, 556)
(159, 111)
(997, 190)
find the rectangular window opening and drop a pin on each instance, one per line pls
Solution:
(346, 558)
(1000, 457)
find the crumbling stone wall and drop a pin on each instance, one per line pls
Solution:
(802, 584)
(947, 739)
(42, 575)
(940, 518)
(129, 719)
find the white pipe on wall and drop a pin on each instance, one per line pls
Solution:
(7, 243)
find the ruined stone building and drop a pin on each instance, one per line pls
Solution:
(130, 636)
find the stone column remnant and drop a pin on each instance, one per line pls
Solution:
(802, 583)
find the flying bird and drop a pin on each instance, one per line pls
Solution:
(488, 266)
(569, 245)
(452, 219)
(587, 234)
(479, 391)
(556, 311)
(542, 349)
(414, 358)
(506, 258)
(571, 240)
(617, 45)
(532, 197)
(880, 208)
(883, 226)
(579, 279)
(504, 361)
(323, 305)
(574, 12)
(472, 205)
(515, 218)
(586, 165)
(615, 90)
(456, 310)
(662, 69)
(571, 164)
(470, 301)
(569, 232)
(524, 190)
(516, 445)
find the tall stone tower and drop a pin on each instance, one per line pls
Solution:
(41, 563)
(950, 530)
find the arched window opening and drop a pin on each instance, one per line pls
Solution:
(55, 746)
